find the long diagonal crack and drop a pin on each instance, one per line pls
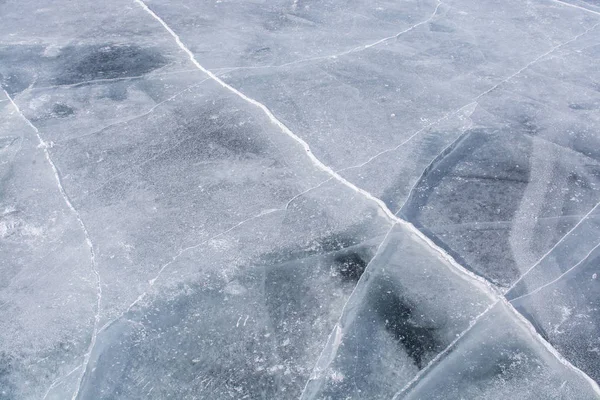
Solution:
(86, 234)
(564, 3)
(472, 101)
(486, 286)
(346, 318)
(519, 316)
(345, 52)
(552, 248)
(558, 278)
(316, 162)
(133, 118)
(184, 250)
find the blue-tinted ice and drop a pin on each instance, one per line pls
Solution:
(300, 199)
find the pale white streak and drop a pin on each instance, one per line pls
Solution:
(489, 289)
(552, 248)
(559, 277)
(133, 118)
(108, 80)
(472, 101)
(442, 353)
(378, 42)
(433, 161)
(343, 53)
(184, 250)
(86, 236)
(576, 6)
(60, 380)
(423, 129)
(346, 318)
(181, 252)
(520, 317)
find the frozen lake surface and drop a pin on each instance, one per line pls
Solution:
(300, 199)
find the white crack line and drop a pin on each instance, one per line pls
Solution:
(474, 100)
(564, 3)
(559, 277)
(133, 118)
(488, 287)
(383, 208)
(109, 80)
(59, 381)
(86, 234)
(551, 249)
(152, 281)
(334, 340)
(438, 157)
(520, 317)
(343, 53)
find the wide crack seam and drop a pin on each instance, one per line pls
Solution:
(486, 285)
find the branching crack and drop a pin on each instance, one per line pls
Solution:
(489, 288)
(473, 101)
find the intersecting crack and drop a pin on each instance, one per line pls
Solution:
(108, 80)
(184, 250)
(473, 101)
(564, 361)
(576, 6)
(490, 289)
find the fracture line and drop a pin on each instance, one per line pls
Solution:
(152, 281)
(431, 124)
(520, 317)
(85, 233)
(488, 288)
(435, 159)
(474, 100)
(338, 331)
(109, 80)
(442, 353)
(552, 248)
(133, 118)
(559, 277)
(576, 6)
(384, 209)
(343, 53)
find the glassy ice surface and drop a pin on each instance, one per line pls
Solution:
(300, 199)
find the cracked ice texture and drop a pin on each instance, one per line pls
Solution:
(235, 169)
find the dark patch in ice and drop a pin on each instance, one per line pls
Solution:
(217, 133)
(481, 180)
(15, 82)
(350, 265)
(7, 388)
(17, 66)
(116, 91)
(107, 62)
(61, 110)
(437, 27)
(584, 106)
(397, 315)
